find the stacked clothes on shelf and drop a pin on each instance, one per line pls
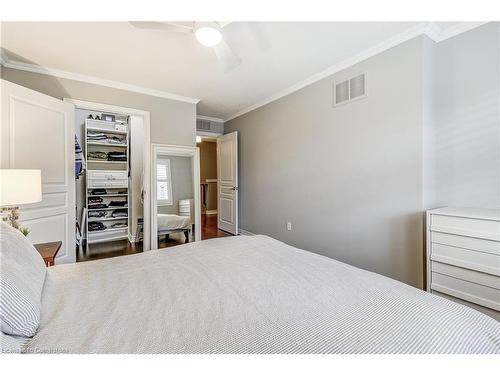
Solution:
(98, 192)
(96, 136)
(119, 213)
(109, 156)
(118, 204)
(105, 138)
(96, 202)
(119, 225)
(116, 140)
(117, 156)
(96, 226)
(97, 214)
(97, 155)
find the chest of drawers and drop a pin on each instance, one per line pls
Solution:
(463, 256)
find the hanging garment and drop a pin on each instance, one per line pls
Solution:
(80, 164)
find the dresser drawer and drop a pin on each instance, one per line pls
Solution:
(107, 183)
(465, 258)
(488, 229)
(466, 274)
(107, 175)
(469, 291)
(471, 243)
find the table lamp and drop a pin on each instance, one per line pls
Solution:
(18, 186)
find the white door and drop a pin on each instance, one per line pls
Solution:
(38, 132)
(227, 182)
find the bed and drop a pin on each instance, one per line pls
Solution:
(246, 294)
(169, 223)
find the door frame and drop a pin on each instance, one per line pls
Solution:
(99, 107)
(213, 137)
(174, 150)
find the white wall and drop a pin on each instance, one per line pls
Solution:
(467, 126)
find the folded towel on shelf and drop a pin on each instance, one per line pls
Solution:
(97, 214)
(119, 213)
(96, 225)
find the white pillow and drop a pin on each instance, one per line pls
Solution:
(22, 274)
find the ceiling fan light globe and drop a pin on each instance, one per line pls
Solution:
(208, 36)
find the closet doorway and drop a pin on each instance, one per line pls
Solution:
(112, 190)
(207, 144)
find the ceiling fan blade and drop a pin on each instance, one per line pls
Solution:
(226, 56)
(170, 26)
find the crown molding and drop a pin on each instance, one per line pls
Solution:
(94, 80)
(459, 28)
(431, 29)
(208, 118)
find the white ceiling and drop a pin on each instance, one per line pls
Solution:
(275, 55)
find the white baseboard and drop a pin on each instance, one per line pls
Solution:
(211, 212)
(244, 232)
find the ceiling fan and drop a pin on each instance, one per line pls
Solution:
(209, 34)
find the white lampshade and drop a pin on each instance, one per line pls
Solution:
(20, 186)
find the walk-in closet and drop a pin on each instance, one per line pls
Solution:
(109, 186)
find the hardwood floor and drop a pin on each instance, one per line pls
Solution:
(209, 228)
(117, 248)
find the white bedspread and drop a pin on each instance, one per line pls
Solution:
(247, 295)
(171, 222)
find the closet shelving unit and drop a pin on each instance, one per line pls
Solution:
(112, 176)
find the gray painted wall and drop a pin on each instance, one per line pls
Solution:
(172, 122)
(182, 182)
(467, 129)
(349, 178)
(355, 180)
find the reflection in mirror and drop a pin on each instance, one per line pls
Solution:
(175, 200)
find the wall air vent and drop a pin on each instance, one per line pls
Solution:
(349, 90)
(210, 126)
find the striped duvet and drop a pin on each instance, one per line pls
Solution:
(247, 295)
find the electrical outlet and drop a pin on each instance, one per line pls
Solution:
(288, 225)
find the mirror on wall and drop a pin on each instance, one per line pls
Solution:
(176, 203)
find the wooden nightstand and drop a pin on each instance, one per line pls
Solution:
(48, 251)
